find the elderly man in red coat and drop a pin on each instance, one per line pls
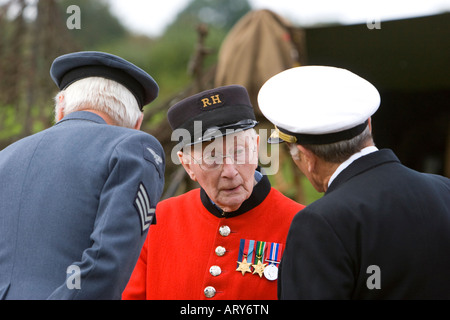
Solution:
(224, 240)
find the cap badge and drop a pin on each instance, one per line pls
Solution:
(284, 136)
(212, 101)
(157, 157)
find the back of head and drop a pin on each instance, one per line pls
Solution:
(338, 152)
(92, 80)
(102, 95)
(325, 109)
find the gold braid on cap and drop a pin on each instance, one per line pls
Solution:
(286, 137)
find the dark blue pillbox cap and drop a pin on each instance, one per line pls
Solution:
(221, 111)
(72, 67)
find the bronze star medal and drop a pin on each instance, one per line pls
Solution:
(259, 268)
(244, 266)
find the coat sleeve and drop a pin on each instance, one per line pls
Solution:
(126, 208)
(136, 287)
(315, 264)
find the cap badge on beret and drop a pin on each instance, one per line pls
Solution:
(211, 101)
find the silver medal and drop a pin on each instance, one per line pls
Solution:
(271, 272)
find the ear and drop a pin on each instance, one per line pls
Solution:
(138, 124)
(186, 162)
(370, 124)
(257, 143)
(60, 114)
(256, 155)
(309, 157)
(60, 110)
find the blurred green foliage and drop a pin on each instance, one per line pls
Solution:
(11, 125)
(98, 25)
(29, 45)
(166, 57)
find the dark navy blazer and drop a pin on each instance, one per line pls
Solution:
(381, 231)
(76, 201)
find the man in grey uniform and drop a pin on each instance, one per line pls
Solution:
(76, 200)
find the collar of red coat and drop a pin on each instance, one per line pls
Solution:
(260, 192)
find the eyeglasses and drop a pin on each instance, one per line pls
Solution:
(214, 161)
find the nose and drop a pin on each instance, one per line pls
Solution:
(229, 168)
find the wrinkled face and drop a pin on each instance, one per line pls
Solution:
(225, 168)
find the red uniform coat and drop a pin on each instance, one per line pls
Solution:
(180, 249)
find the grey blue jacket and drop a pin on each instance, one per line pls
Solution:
(76, 201)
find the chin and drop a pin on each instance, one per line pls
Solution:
(231, 204)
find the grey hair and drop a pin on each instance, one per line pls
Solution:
(336, 152)
(295, 153)
(103, 95)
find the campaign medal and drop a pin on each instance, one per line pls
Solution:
(273, 256)
(259, 266)
(245, 256)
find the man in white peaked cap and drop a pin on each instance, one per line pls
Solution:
(382, 230)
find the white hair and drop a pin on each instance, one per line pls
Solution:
(103, 95)
(293, 150)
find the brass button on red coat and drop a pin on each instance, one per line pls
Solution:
(224, 231)
(220, 251)
(215, 271)
(210, 292)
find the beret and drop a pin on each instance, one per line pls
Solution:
(317, 104)
(212, 113)
(72, 67)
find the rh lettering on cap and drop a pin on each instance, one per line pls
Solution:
(212, 101)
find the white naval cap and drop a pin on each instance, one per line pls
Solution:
(317, 104)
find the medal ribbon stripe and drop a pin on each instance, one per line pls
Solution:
(259, 266)
(260, 248)
(241, 250)
(251, 251)
(245, 257)
(273, 256)
(274, 252)
(246, 250)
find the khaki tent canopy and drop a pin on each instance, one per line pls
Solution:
(259, 46)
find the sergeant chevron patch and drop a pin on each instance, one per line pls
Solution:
(142, 205)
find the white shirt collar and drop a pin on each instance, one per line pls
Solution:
(349, 161)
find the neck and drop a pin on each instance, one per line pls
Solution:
(323, 177)
(259, 193)
(104, 116)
